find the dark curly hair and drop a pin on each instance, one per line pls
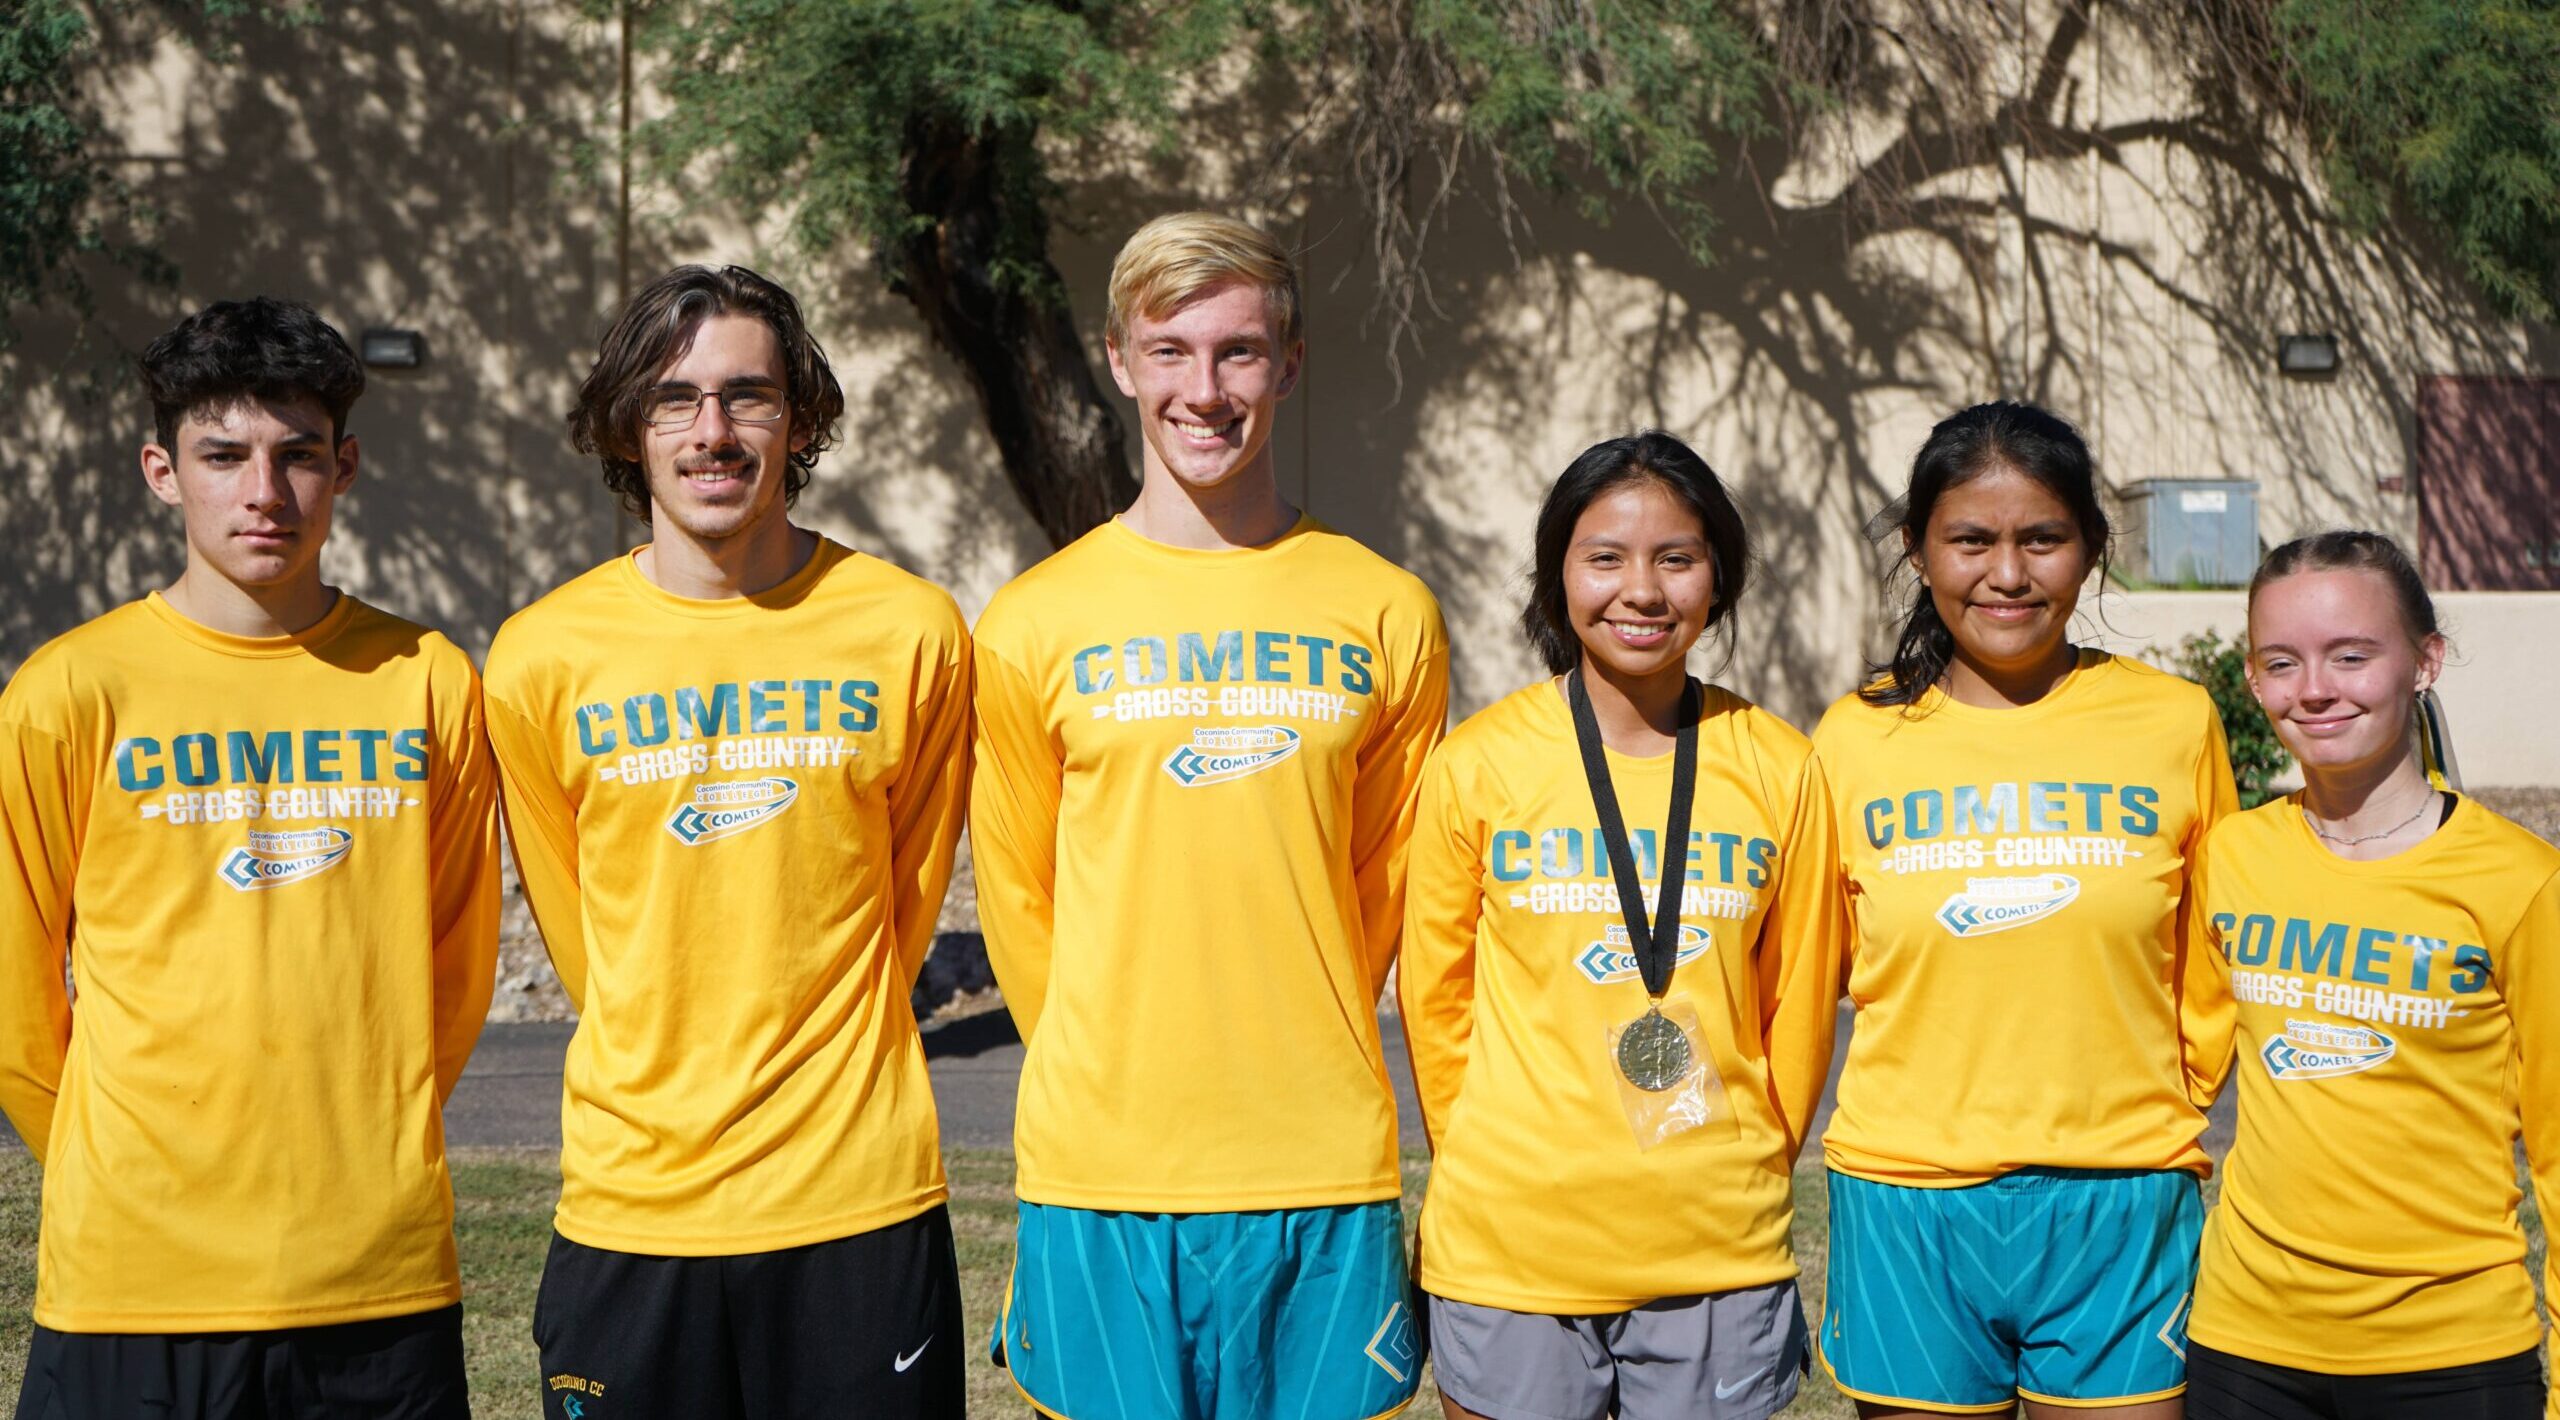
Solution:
(1964, 446)
(261, 348)
(652, 332)
(1649, 457)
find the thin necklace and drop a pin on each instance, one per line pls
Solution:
(2424, 805)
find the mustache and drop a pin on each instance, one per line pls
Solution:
(721, 457)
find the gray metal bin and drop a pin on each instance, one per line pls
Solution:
(2190, 532)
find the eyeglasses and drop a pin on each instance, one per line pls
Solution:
(674, 407)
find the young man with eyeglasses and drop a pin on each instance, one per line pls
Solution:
(258, 820)
(735, 763)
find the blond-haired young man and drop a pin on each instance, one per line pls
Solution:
(1201, 729)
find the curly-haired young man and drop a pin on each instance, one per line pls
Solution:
(735, 764)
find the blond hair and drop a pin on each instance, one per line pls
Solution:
(1179, 256)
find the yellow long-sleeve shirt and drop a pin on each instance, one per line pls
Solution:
(273, 864)
(1196, 777)
(735, 821)
(1515, 965)
(2398, 1025)
(2016, 879)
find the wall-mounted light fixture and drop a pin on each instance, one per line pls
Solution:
(2307, 356)
(393, 349)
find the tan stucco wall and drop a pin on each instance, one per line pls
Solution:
(432, 165)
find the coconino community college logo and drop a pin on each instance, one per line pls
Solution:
(1219, 753)
(275, 859)
(732, 807)
(1609, 959)
(1989, 905)
(2317, 1050)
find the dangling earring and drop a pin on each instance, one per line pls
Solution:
(2435, 742)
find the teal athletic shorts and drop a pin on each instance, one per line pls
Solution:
(1287, 1314)
(2061, 1285)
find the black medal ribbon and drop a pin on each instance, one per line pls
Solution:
(1656, 945)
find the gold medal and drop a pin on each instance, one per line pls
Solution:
(1653, 1053)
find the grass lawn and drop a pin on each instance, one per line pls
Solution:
(502, 1207)
(502, 1218)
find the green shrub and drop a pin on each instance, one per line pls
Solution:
(2222, 669)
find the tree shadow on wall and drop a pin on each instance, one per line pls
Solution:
(914, 477)
(1931, 269)
(409, 165)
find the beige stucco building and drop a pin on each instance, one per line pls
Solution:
(449, 167)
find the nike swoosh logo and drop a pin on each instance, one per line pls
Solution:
(1727, 1392)
(909, 1359)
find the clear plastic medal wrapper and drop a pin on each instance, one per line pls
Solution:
(1666, 1076)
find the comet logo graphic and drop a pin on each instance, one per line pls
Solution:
(1609, 959)
(2317, 1050)
(1989, 905)
(1218, 754)
(274, 859)
(720, 810)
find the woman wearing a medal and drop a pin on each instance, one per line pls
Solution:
(1618, 1063)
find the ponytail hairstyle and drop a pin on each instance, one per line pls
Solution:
(1650, 457)
(1964, 446)
(2357, 550)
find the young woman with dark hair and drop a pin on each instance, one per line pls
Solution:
(2014, 1159)
(1618, 1063)
(2393, 956)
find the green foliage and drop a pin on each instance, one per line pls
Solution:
(50, 186)
(2451, 108)
(60, 200)
(2446, 109)
(1639, 93)
(2222, 669)
(819, 107)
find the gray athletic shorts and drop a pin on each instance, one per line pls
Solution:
(1724, 1356)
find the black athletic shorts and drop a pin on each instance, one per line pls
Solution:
(393, 1368)
(2221, 1386)
(863, 1326)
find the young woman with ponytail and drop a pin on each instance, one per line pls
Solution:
(2392, 951)
(2014, 1208)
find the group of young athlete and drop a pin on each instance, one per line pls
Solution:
(249, 906)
